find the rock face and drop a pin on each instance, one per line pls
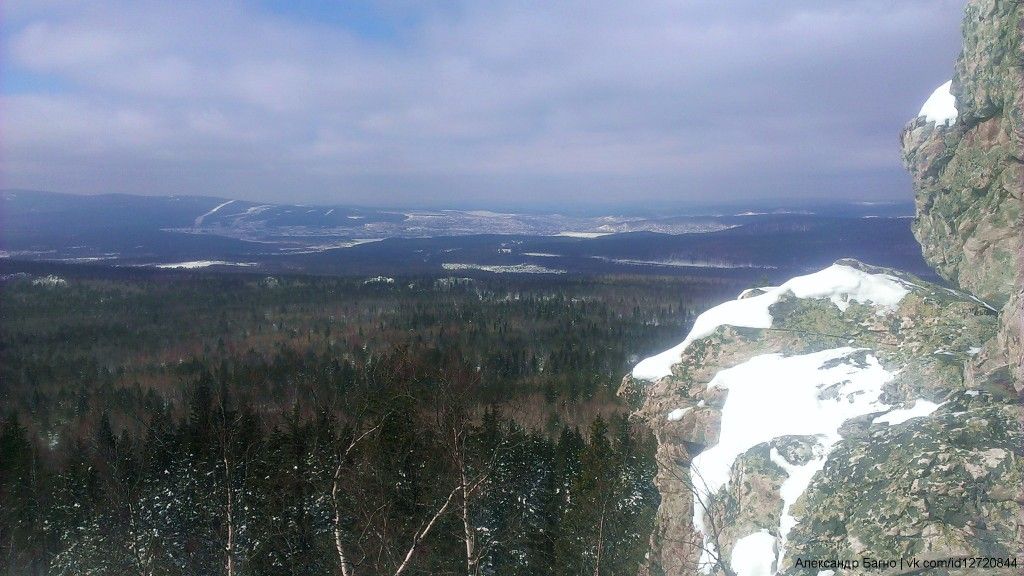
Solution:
(969, 176)
(862, 411)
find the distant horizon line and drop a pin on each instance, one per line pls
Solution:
(778, 206)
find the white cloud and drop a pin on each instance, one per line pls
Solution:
(470, 101)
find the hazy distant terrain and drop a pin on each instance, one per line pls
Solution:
(191, 232)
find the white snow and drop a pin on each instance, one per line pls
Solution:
(754, 555)
(257, 209)
(571, 234)
(198, 222)
(683, 263)
(792, 488)
(379, 280)
(503, 269)
(542, 255)
(202, 264)
(50, 281)
(840, 284)
(487, 213)
(330, 246)
(677, 414)
(940, 106)
(773, 395)
(920, 409)
(827, 573)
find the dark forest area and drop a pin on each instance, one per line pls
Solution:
(217, 424)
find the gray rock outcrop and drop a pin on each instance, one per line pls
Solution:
(930, 464)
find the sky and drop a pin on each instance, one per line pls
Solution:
(496, 104)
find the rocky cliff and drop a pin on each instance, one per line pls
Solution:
(969, 177)
(857, 411)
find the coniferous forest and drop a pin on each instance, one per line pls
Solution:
(220, 424)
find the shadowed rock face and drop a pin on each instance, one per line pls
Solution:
(943, 484)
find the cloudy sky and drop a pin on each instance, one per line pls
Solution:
(500, 103)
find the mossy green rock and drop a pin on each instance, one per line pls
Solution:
(926, 340)
(968, 177)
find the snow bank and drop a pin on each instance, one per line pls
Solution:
(772, 396)
(202, 264)
(920, 409)
(585, 235)
(754, 555)
(940, 106)
(503, 269)
(840, 284)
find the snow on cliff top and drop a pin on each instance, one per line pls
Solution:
(839, 283)
(941, 106)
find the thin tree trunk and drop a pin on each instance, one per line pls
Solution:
(346, 569)
(600, 538)
(468, 528)
(229, 547)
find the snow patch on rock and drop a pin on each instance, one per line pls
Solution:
(839, 283)
(920, 409)
(754, 555)
(799, 478)
(940, 106)
(677, 414)
(771, 396)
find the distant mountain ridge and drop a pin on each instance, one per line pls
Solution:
(191, 231)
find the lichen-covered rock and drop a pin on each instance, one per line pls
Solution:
(968, 177)
(912, 390)
(924, 342)
(947, 485)
(969, 180)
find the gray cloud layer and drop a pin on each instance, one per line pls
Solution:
(477, 103)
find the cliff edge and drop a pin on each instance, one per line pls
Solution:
(859, 412)
(969, 177)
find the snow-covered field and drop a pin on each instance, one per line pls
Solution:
(679, 263)
(503, 269)
(201, 264)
